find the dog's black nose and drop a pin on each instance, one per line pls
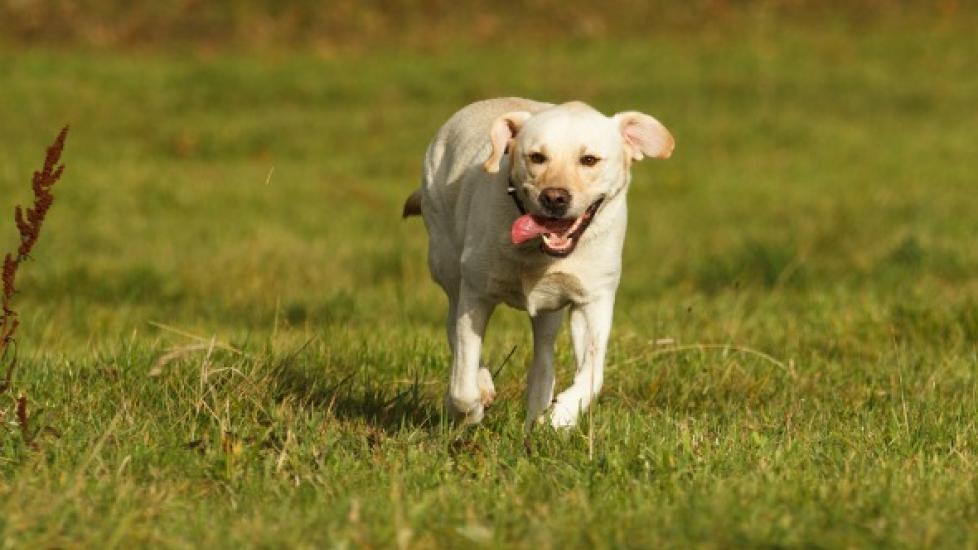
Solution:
(555, 200)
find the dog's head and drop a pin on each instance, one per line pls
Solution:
(565, 161)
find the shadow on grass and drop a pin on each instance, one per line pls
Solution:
(356, 397)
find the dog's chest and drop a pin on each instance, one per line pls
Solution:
(535, 289)
(551, 291)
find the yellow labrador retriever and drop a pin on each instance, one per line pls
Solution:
(524, 203)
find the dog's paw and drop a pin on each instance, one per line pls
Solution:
(487, 391)
(564, 415)
(464, 411)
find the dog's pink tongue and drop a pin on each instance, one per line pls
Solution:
(527, 227)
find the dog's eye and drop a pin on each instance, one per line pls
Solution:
(589, 160)
(537, 158)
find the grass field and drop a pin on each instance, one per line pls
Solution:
(229, 336)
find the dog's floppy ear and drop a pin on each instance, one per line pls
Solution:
(644, 136)
(504, 130)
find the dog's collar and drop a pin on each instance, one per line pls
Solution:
(511, 191)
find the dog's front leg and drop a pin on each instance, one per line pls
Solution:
(469, 388)
(590, 328)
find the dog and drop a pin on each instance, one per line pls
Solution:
(524, 204)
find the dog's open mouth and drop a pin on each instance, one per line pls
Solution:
(559, 236)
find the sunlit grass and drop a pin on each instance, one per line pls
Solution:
(230, 336)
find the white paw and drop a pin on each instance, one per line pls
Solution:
(487, 391)
(564, 415)
(464, 411)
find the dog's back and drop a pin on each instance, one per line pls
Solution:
(461, 144)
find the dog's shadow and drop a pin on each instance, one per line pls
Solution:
(354, 396)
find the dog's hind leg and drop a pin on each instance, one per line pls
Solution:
(487, 390)
(467, 396)
(451, 321)
(540, 378)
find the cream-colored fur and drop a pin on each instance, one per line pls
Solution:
(469, 215)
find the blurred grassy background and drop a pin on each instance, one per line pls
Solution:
(236, 171)
(344, 25)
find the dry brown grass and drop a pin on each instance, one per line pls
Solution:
(29, 222)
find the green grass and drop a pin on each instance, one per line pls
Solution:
(820, 209)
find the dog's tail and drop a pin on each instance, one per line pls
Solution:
(412, 206)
